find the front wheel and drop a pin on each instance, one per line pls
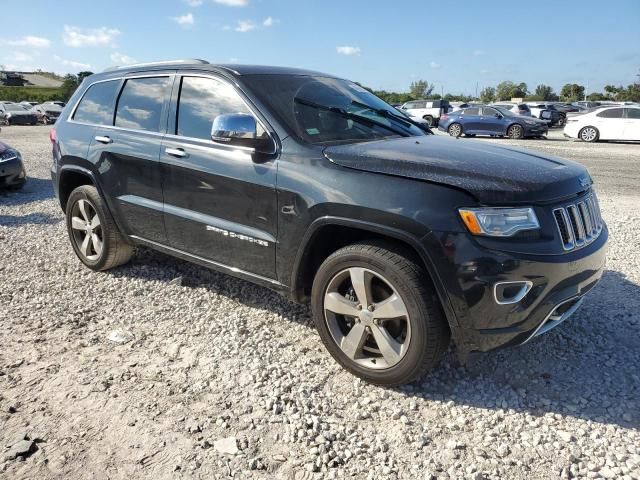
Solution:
(589, 134)
(455, 130)
(93, 233)
(377, 313)
(515, 131)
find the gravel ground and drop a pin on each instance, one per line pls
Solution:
(162, 369)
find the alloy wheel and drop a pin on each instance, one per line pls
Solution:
(588, 134)
(87, 230)
(515, 131)
(367, 318)
(455, 130)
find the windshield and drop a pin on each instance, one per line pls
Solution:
(14, 108)
(506, 112)
(322, 110)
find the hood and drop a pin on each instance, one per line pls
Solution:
(491, 173)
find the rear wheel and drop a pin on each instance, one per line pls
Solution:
(378, 314)
(561, 121)
(94, 235)
(429, 120)
(515, 131)
(589, 134)
(455, 130)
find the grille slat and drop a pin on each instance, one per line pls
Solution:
(579, 224)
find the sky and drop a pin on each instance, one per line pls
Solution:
(459, 46)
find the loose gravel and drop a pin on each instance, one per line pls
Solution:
(162, 369)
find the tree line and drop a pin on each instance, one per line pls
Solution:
(571, 92)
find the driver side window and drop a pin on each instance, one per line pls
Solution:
(203, 99)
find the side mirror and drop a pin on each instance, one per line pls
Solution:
(498, 115)
(238, 129)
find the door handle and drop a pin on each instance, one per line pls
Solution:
(176, 152)
(102, 139)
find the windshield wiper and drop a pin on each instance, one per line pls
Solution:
(353, 116)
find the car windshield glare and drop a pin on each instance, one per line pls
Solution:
(322, 110)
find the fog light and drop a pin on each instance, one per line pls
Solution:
(507, 293)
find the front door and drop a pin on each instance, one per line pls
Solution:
(492, 121)
(219, 200)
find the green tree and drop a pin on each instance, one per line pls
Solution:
(507, 90)
(420, 89)
(545, 92)
(488, 95)
(71, 82)
(572, 92)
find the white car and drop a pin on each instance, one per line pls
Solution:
(429, 110)
(605, 123)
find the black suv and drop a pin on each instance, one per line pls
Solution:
(312, 186)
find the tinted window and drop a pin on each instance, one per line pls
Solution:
(97, 103)
(140, 103)
(201, 101)
(472, 111)
(633, 113)
(611, 113)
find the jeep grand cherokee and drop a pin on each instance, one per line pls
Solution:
(310, 185)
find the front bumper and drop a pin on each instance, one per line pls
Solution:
(536, 131)
(12, 173)
(470, 273)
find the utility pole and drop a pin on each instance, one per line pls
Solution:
(476, 90)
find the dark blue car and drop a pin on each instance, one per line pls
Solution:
(493, 121)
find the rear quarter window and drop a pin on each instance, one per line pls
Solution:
(97, 104)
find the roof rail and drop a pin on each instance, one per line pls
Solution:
(184, 61)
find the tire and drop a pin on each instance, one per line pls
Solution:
(515, 131)
(429, 120)
(589, 134)
(561, 122)
(105, 246)
(455, 130)
(413, 326)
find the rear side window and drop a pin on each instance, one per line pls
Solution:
(97, 104)
(201, 101)
(633, 113)
(141, 102)
(472, 111)
(611, 113)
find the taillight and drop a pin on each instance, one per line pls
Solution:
(444, 116)
(52, 135)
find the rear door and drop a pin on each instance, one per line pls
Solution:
(470, 120)
(126, 152)
(611, 124)
(220, 200)
(632, 124)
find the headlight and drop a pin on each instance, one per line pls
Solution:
(530, 122)
(499, 222)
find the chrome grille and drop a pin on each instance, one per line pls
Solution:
(579, 223)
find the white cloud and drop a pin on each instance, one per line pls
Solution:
(72, 63)
(122, 59)
(22, 57)
(89, 37)
(348, 50)
(245, 26)
(30, 41)
(193, 3)
(268, 22)
(233, 3)
(434, 64)
(183, 19)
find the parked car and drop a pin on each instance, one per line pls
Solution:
(457, 106)
(587, 105)
(517, 108)
(549, 113)
(566, 107)
(47, 112)
(28, 104)
(12, 172)
(421, 122)
(605, 123)
(16, 114)
(493, 121)
(398, 238)
(429, 110)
